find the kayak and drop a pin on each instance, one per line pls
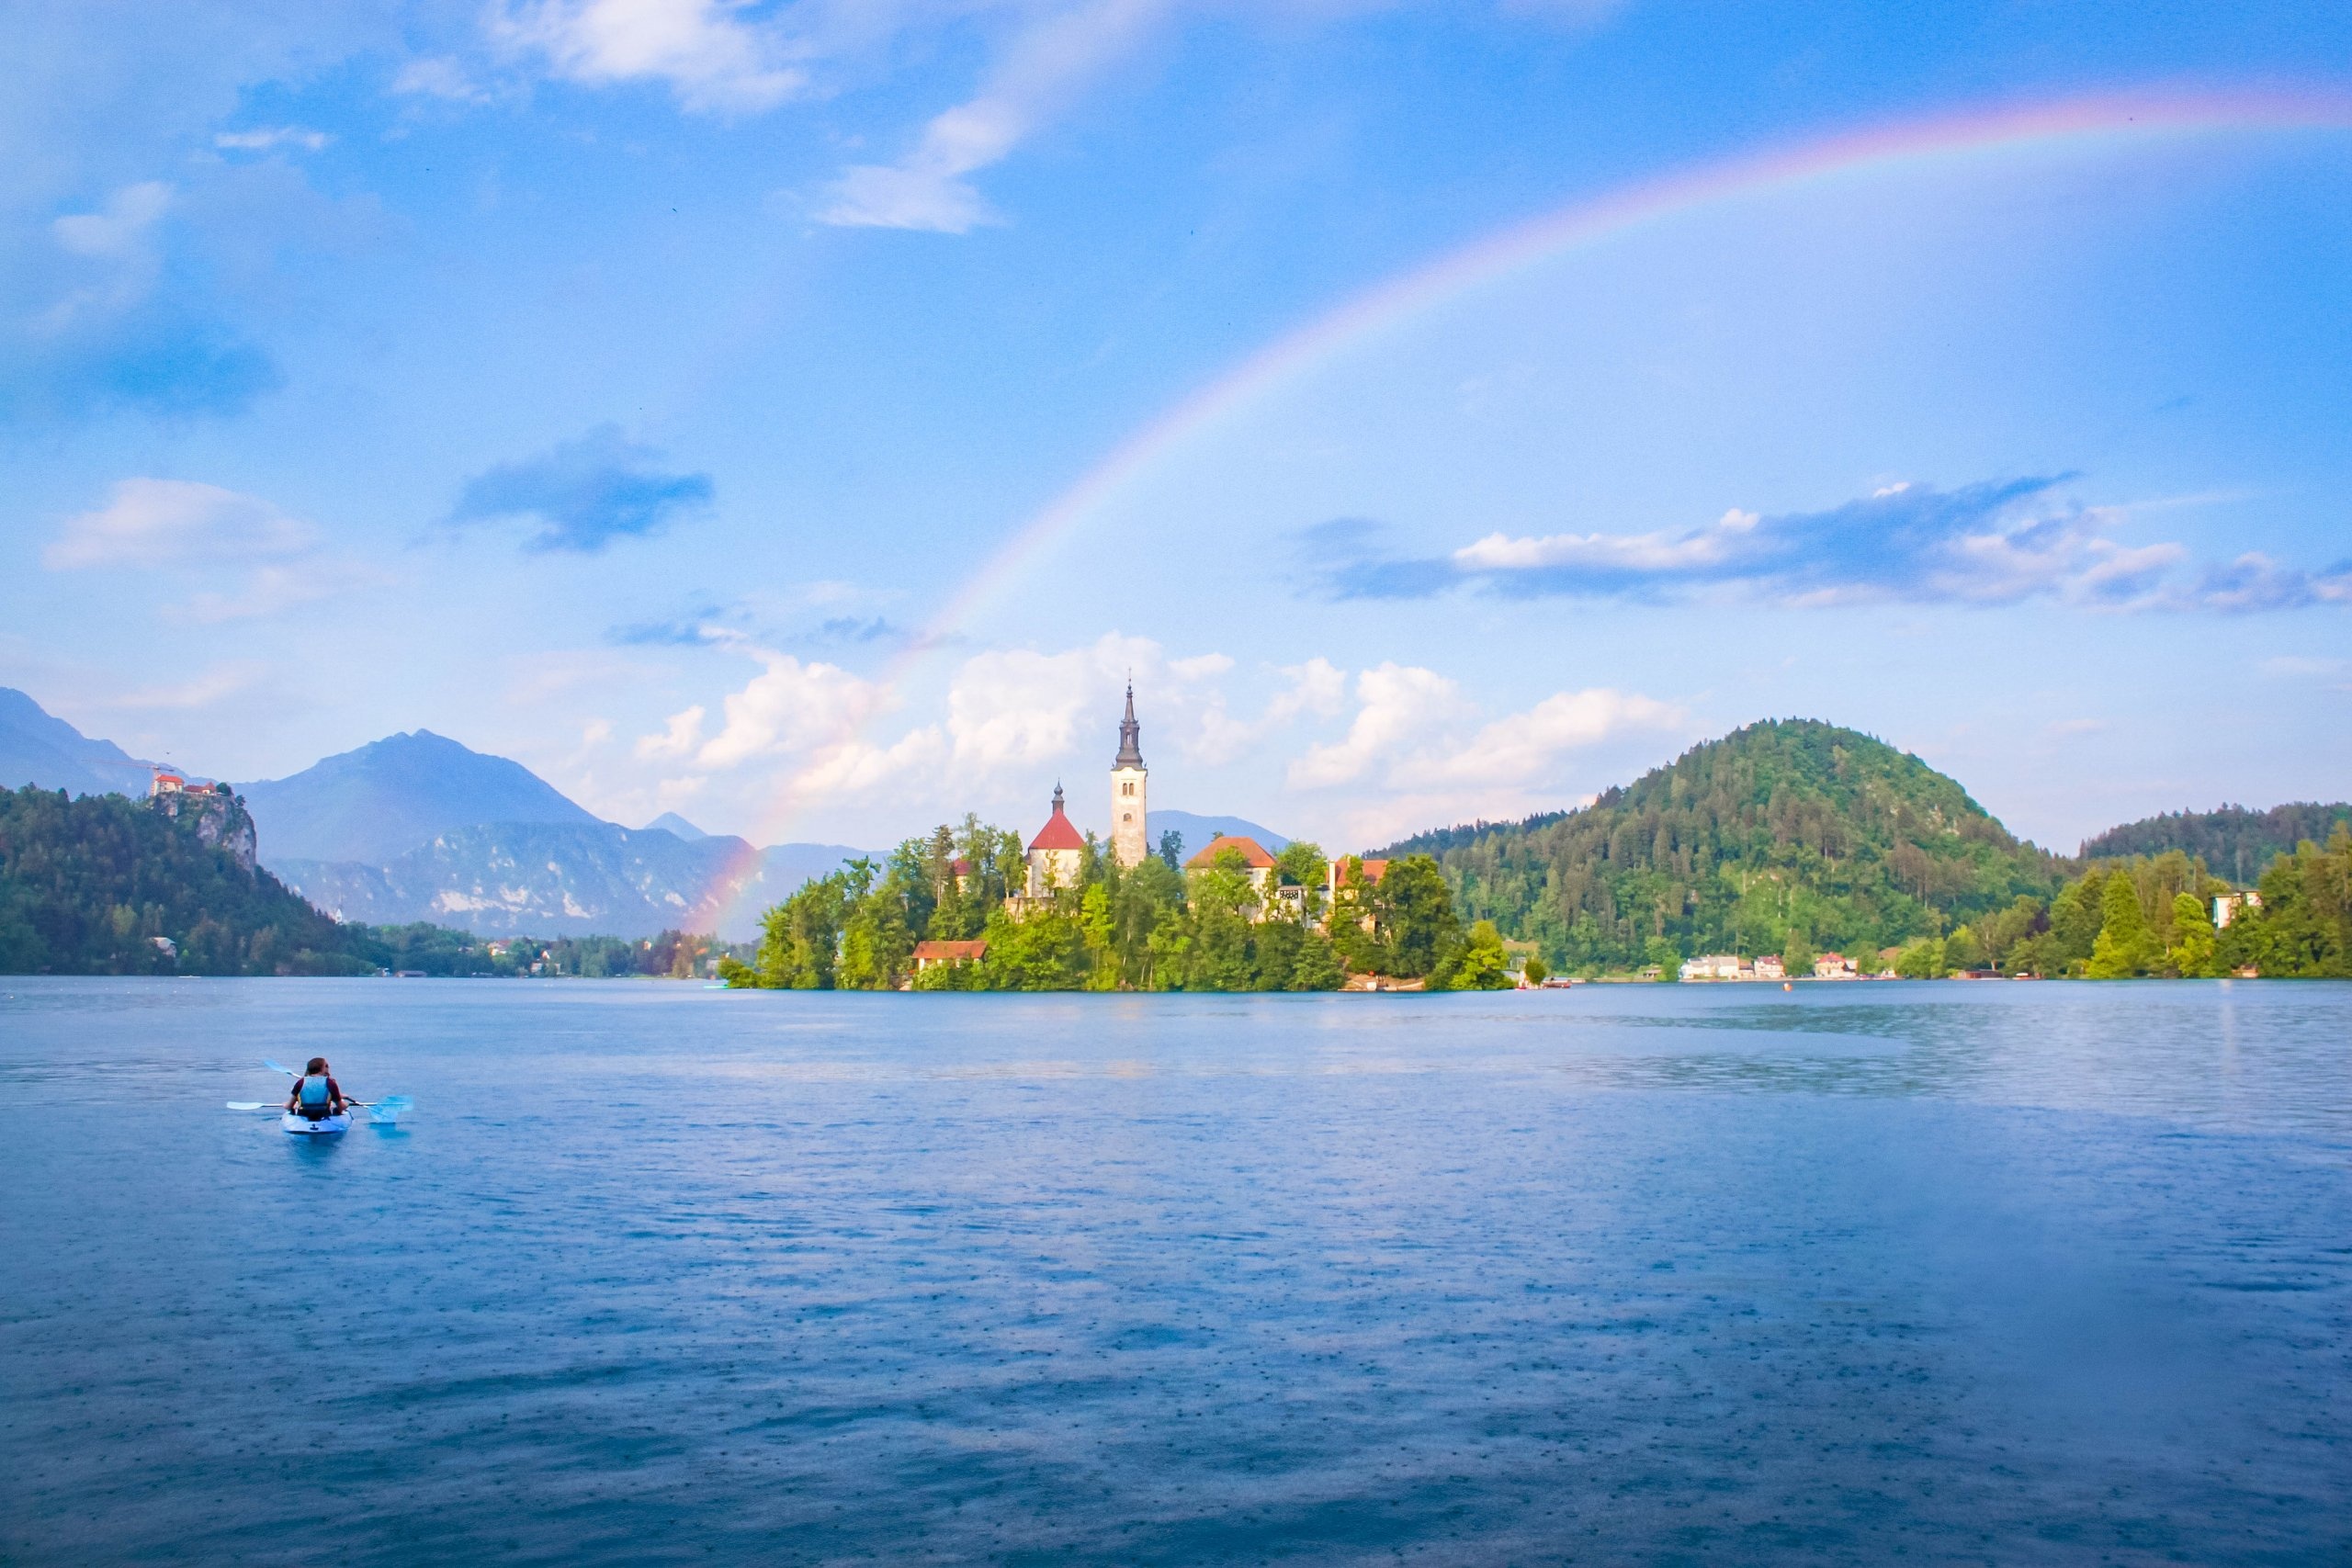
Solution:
(303, 1127)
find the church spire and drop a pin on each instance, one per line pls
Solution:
(1130, 747)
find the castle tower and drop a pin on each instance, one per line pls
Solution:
(1129, 841)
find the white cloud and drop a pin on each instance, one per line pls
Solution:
(1400, 708)
(1407, 736)
(1317, 686)
(1525, 748)
(150, 523)
(710, 56)
(681, 738)
(270, 590)
(121, 228)
(1046, 67)
(791, 706)
(1612, 552)
(437, 76)
(270, 138)
(1017, 708)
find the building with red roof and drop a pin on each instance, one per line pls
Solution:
(1057, 852)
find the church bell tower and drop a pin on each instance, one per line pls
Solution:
(1129, 841)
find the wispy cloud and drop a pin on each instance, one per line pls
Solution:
(708, 53)
(585, 494)
(150, 523)
(1996, 543)
(270, 139)
(1043, 71)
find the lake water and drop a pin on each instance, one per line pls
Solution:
(1982, 1273)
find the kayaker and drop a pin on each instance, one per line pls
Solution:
(316, 1094)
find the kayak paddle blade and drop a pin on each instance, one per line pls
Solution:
(247, 1105)
(387, 1110)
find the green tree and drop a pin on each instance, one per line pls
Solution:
(1922, 960)
(1413, 912)
(2125, 946)
(1796, 953)
(2195, 944)
(1536, 970)
(1484, 963)
(1317, 967)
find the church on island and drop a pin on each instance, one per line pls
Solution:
(1056, 854)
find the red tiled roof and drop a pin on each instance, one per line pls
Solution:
(1372, 870)
(1058, 833)
(961, 868)
(1254, 854)
(949, 952)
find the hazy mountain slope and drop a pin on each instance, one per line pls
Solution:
(671, 822)
(1788, 826)
(2233, 842)
(391, 796)
(566, 879)
(1198, 829)
(37, 748)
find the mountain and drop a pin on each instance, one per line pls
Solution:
(2234, 843)
(37, 748)
(391, 796)
(566, 879)
(1785, 826)
(106, 885)
(671, 822)
(1198, 830)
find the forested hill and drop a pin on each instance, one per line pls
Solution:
(2233, 842)
(87, 886)
(1786, 835)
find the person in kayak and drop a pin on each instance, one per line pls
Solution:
(316, 1094)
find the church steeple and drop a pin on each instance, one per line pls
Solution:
(1130, 732)
(1129, 777)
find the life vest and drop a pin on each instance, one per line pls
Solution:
(316, 1097)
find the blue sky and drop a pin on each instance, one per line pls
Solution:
(667, 394)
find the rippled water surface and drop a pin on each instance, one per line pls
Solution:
(2014, 1273)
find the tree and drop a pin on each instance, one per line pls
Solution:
(1796, 953)
(1171, 850)
(1536, 970)
(1413, 911)
(2124, 946)
(1483, 964)
(1317, 967)
(2195, 941)
(1922, 960)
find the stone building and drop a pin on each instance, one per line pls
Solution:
(1130, 839)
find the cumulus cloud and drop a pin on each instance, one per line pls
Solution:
(1019, 709)
(1317, 686)
(710, 54)
(150, 523)
(585, 494)
(790, 706)
(1409, 727)
(1996, 543)
(1045, 68)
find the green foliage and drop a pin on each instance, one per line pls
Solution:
(1536, 969)
(1482, 964)
(2125, 946)
(1413, 917)
(2234, 843)
(2304, 928)
(88, 885)
(1780, 828)
(1922, 960)
(2195, 944)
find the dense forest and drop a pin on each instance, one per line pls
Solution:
(2232, 841)
(1785, 834)
(2152, 916)
(104, 885)
(1146, 928)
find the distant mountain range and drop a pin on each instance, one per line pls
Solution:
(390, 796)
(418, 827)
(1198, 830)
(37, 747)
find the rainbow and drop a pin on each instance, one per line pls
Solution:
(1504, 254)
